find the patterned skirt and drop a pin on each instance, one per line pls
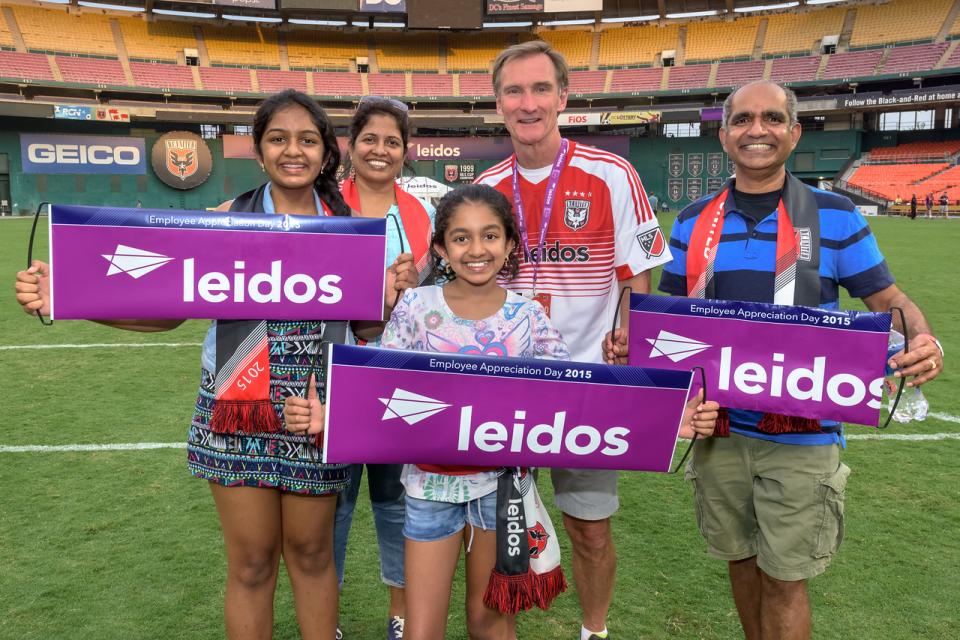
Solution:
(285, 461)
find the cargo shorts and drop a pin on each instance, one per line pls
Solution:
(782, 503)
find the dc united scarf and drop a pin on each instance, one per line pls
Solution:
(242, 376)
(528, 571)
(413, 215)
(796, 272)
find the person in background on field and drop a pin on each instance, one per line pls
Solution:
(597, 236)
(913, 207)
(653, 200)
(928, 203)
(771, 493)
(379, 133)
(274, 496)
(944, 205)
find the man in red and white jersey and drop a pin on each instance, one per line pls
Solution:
(587, 231)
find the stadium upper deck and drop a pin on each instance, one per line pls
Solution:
(91, 47)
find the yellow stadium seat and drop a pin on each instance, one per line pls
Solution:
(720, 39)
(574, 45)
(636, 46)
(898, 21)
(57, 30)
(408, 52)
(242, 46)
(324, 50)
(6, 38)
(798, 32)
(474, 52)
(157, 40)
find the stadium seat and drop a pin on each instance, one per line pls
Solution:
(311, 50)
(734, 74)
(225, 79)
(921, 57)
(709, 40)
(6, 37)
(387, 84)
(337, 83)
(637, 46)
(898, 21)
(156, 40)
(576, 46)
(24, 66)
(56, 30)
(916, 151)
(162, 76)
(474, 52)
(96, 71)
(689, 77)
(476, 84)
(796, 32)
(855, 64)
(432, 84)
(272, 81)
(408, 52)
(634, 80)
(892, 180)
(587, 81)
(795, 69)
(242, 46)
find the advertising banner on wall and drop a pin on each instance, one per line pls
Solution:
(110, 262)
(608, 118)
(795, 361)
(386, 406)
(542, 6)
(55, 153)
(71, 112)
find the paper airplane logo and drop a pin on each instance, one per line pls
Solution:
(675, 347)
(410, 407)
(134, 262)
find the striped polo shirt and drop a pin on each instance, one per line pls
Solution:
(744, 270)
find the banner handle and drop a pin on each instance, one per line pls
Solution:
(33, 233)
(403, 248)
(903, 380)
(703, 383)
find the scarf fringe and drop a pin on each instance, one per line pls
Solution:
(512, 594)
(244, 416)
(772, 423)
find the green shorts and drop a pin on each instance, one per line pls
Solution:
(780, 502)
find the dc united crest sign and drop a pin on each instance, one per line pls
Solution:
(181, 159)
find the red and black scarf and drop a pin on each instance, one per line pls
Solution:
(796, 272)
(413, 215)
(242, 376)
(528, 571)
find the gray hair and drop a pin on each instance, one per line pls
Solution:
(791, 101)
(532, 48)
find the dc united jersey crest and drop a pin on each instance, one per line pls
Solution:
(182, 157)
(576, 213)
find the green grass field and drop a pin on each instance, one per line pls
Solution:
(125, 544)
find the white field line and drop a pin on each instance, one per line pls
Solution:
(137, 446)
(118, 345)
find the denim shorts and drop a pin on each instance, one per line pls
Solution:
(429, 520)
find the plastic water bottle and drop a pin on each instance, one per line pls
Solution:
(913, 405)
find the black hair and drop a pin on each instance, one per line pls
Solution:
(370, 107)
(325, 183)
(475, 194)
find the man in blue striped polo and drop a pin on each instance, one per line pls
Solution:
(770, 495)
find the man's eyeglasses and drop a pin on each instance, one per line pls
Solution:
(393, 102)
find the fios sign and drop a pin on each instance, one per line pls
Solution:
(42, 153)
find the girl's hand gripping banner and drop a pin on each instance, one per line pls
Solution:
(795, 361)
(386, 406)
(109, 263)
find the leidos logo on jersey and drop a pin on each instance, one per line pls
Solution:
(492, 436)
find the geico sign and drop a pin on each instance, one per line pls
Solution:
(299, 288)
(98, 154)
(753, 378)
(581, 440)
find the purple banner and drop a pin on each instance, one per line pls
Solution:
(110, 263)
(387, 406)
(796, 361)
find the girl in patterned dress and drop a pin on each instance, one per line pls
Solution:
(274, 496)
(450, 507)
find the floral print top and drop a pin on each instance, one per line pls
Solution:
(422, 321)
